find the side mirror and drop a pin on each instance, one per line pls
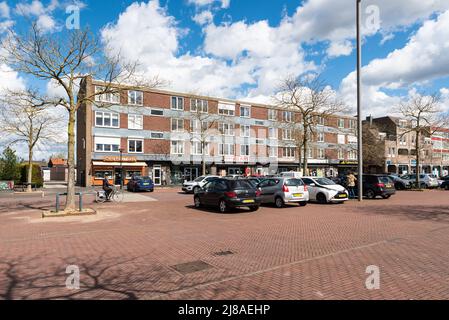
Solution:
(312, 185)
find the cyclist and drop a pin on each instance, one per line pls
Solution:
(108, 188)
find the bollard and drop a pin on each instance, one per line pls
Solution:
(57, 202)
(81, 201)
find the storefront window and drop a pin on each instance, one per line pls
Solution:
(101, 174)
(130, 174)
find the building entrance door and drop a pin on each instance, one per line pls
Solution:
(118, 177)
(190, 174)
(157, 175)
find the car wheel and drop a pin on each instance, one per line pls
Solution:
(370, 194)
(254, 208)
(279, 203)
(423, 186)
(222, 206)
(399, 186)
(321, 198)
(197, 202)
(151, 190)
(386, 196)
(303, 203)
(447, 187)
(195, 190)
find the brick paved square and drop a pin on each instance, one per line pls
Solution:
(128, 250)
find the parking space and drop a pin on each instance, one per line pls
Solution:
(167, 249)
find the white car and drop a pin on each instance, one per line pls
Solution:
(425, 180)
(324, 190)
(195, 185)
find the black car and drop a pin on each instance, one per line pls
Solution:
(228, 194)
(445, 183)
(377, 185)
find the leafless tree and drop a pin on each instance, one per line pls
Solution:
(313, 101)
(24, 117)
(425, 117)
(66, 59)
(373, 146)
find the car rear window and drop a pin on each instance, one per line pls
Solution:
(294, 182)
(241, 184)
(384, 179)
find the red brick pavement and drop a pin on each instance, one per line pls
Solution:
(313, 252)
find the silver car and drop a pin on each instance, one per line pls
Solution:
(282, 190)
(425, 180)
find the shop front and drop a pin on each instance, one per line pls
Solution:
(115, 169)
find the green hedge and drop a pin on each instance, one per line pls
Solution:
(36, 177)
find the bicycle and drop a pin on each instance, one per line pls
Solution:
(115, 196)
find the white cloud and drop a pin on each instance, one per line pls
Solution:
(337, 49)
(203, 17)
(201, 3)
(10, 79)
(36, 8)
(4, 10)
(260, 54)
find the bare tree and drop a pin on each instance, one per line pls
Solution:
(66, 59)
(373, 146)
(200, 126)
(425, 117)
(313, 101)
(25, 118)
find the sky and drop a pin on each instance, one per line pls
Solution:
(244, 48)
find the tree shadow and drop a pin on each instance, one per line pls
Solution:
(417, 213)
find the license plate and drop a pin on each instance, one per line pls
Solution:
(388, 185)
(342, 195)
(248, 201)
(146, 184)
(297, 195)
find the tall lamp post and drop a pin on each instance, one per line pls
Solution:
(121, 168)
(359, 102)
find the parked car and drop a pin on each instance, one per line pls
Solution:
(253, 180)
(399, 183)
(140, 184)
(282, 190)
(377, 185)
(227, 194)
(425, 180)
(291, 174)
(324, 190)
(445, 183)
(195, 185)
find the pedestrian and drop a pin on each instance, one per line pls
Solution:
(350, 182)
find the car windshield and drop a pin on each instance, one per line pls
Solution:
(384, 179)
(325, 181)
(242, 184)
(294, 182)
(199, 179)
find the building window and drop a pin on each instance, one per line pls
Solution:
(135, 145)
(177, 125)
(157, 135)
(101, 174)
(245, 131)
(245, 111)
(321, 154)
(135, 98)
(260, 141)
(288, 116)
(287, 134)
(320, 137)
(341, 123)
(110, 97)
(273, 152)
(309, 153)
(135, 122)
(352, 155)
(259, 122)
(226, 129)
(244, 150)
(177, 103)
(198, 150)
(352, 124)
(272, 114)
(226, 109)
(226, 149)
(133, 173)
(272, 133)
(320, 120)
(198, 105)
(288, 152)
(157, 112)
(177, 147)
(107, 144)
(106, 119)
(196, 128)
(341, 154)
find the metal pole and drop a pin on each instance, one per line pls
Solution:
(121, 170)
(359, 102)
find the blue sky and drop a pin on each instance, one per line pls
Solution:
(244, 48)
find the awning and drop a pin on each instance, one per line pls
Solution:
(118, 164)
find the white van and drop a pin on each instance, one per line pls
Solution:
(292, 174)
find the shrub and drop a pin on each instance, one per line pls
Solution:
(36, 177)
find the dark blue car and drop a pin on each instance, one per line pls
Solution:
(140, 184)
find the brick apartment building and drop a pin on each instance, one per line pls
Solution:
(398, 149)
(158, 133)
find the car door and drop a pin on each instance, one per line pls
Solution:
(267, 190)
(313, 190)
(207, 193)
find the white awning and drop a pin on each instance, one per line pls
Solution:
(117, 164)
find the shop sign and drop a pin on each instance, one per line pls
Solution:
(348, 162)
(117, 159)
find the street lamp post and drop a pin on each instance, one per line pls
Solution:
(359, 100)
(121, 168)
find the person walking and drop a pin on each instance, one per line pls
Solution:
(350, 181)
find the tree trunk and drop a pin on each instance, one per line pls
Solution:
(30, 169)
(304, 162)
(203, 158)
(70, 200)
(417, 146)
